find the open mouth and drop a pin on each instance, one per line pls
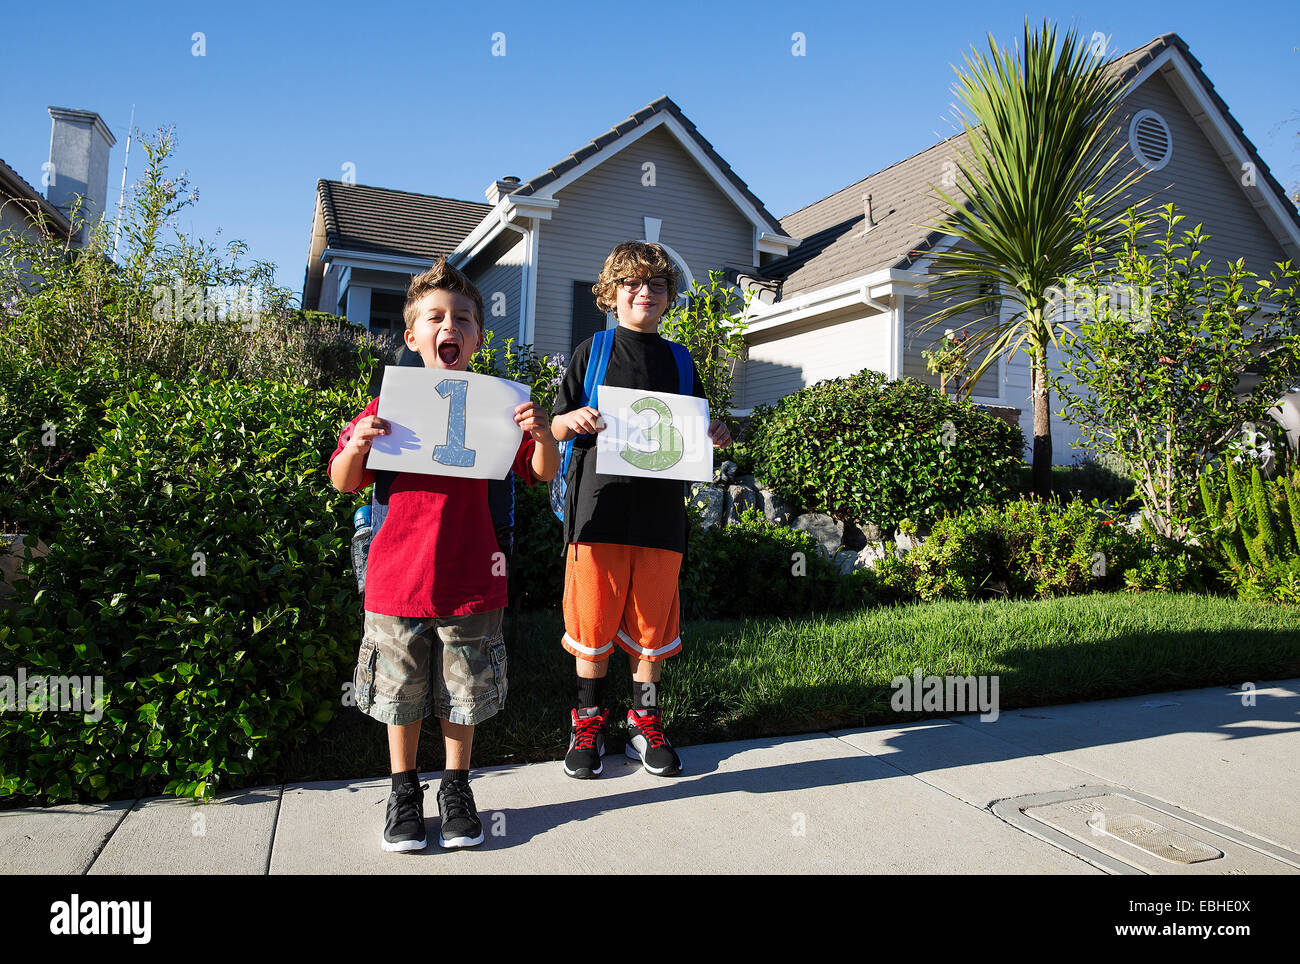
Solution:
(449, 353)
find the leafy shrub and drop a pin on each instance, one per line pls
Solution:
(1025, 549)
(521, 364)
(865, 448)
(754, 568)
(1161, 367)
(1249, 530)
(537, 565)
(1090, 479)
(1164, 572)
(200, 565)
(50, 419)
(711, 324)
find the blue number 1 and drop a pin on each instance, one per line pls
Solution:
(454, 452)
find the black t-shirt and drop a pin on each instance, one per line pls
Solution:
(620, 509)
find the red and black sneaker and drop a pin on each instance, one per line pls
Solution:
(646, 742)
(586, 742)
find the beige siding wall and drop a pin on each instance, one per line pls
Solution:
(1206, 189)
(787, 360)
(13, 219)
(916, 340)
(607, 205)
(504, 278)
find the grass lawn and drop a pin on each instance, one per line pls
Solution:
(764, 677)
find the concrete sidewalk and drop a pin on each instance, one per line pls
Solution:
(1186, 782)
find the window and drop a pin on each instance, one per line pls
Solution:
(386, 313)
(587, 318)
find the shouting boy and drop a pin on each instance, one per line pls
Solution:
(435, 588)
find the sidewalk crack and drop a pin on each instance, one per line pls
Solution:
(109, 836)
(275, 825)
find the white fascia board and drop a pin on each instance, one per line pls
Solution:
(833, 297)
(510, 211)
(368, 259)
(781, 244)
(529, 207)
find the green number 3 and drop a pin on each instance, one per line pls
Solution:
(669, 447)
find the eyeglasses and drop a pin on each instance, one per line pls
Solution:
(632, 285)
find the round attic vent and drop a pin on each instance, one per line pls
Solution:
(1149, 137)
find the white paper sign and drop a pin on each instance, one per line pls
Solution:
(654, 435)
(446, 422)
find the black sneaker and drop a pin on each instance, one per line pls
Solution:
(460, 823)
(646, 742)
(586, 742)
(404, 824)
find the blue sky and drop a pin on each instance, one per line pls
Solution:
(413, 97)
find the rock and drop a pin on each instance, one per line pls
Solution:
(871, 532)
(711, 501)
(845, 561)
(739, 497)
(854, 538)
(748, 481)
(726, 472)
(906, 543)
(827, 531)
(870, 554)
(775, 509)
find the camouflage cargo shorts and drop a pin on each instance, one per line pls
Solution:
(411, 667)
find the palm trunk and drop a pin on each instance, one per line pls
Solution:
(1042, 465)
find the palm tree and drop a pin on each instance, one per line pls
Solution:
(1038, 130)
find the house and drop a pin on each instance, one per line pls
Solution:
(852, 295)
(536, 247)
(839, 285)
(80, 143)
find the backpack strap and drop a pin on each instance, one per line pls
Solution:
(602, 346)
(685, 369)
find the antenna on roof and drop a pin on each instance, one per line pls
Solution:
(117, 223)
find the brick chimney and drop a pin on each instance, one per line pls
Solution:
(79, 145)
(500, 188)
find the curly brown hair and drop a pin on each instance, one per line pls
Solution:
(440, 276)
(633, 259)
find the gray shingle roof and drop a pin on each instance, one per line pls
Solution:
(15, 186)
(834, 247)
(663, 104)
(384, 221)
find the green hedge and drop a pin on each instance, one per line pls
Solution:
(1031, 550)
(212, 665)
(50, 420)
(754, 568)
(867, 449)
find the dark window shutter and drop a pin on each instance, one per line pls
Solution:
(587, 318)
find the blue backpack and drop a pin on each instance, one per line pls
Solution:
(602, 344)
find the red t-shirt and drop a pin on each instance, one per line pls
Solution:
(434, 554)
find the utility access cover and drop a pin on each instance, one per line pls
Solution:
(1126, 832)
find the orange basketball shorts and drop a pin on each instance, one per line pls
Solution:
(624, 595)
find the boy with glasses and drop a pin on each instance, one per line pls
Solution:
(625, 535)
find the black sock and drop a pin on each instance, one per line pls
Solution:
(450, 775)
(591, 692)
(645, 696)
(406, 776)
